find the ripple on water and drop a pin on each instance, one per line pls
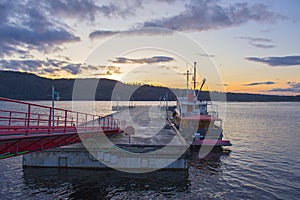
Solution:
(263, 164)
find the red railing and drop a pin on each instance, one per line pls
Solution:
(28, 127)
(18, 117)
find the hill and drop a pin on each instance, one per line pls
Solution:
(25, 86)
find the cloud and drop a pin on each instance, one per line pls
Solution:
(39, 25)
(293, 87)
(222, 84)
(25, 65)
(102, 33)
(49, 66)
(72, 68)
(134, 32)
(154, 59)
(109, 70)
(89, 9)
(277, 61)
(20, 35)
(27, 27)
(206, 55)
(258, 42)
(81, 9)
(260, 83)
(201, 15)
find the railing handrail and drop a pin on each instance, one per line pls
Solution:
(42, 106)
(66, 119)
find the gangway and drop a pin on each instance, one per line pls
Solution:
(27, 127)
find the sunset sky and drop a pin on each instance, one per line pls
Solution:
(239, 46)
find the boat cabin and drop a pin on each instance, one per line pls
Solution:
(201, 127)
(191, 106)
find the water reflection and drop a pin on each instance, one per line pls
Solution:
(263, 164)
(92, 184)
(210, 163)
(112, 184)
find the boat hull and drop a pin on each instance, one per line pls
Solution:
(211, 142)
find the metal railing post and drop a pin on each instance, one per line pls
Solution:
(66, 116)
(77, 119)
(28, 119)
(9, 122)
(25, 119)
(99, 125)
(38, 122)
(85, 122)
(50, 122)
(93, 122)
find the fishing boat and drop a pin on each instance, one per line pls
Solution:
(199, 125)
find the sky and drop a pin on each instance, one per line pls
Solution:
(239, 46)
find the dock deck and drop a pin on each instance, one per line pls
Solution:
(151, 147)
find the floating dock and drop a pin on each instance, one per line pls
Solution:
(151, 147)
(77, 156)
(155, 144)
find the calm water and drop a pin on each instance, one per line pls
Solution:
(264, 163)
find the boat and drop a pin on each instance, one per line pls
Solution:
(199, 125)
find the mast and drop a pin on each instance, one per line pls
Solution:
(187, 82)
(194, 78)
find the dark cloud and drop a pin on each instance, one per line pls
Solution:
(72, 68)
(258, 42)
(206, 55)
(89, 9)
(134, 32)
(154, 59)
(200, 15)
(293, 87)
(38, 25)
(81, 9)
(277, 61)
(54, 67)
(20, 35)
(263, 46)
(167, 1)
(25, 26)
(102, 33)
(23, 65)
(223, 84)
(49, 66)
(121, 8)
(260, 83)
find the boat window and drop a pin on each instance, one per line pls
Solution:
(217, 124)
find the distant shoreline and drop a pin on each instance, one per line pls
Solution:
(29, 87)
(159, 101)
(144, 100)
